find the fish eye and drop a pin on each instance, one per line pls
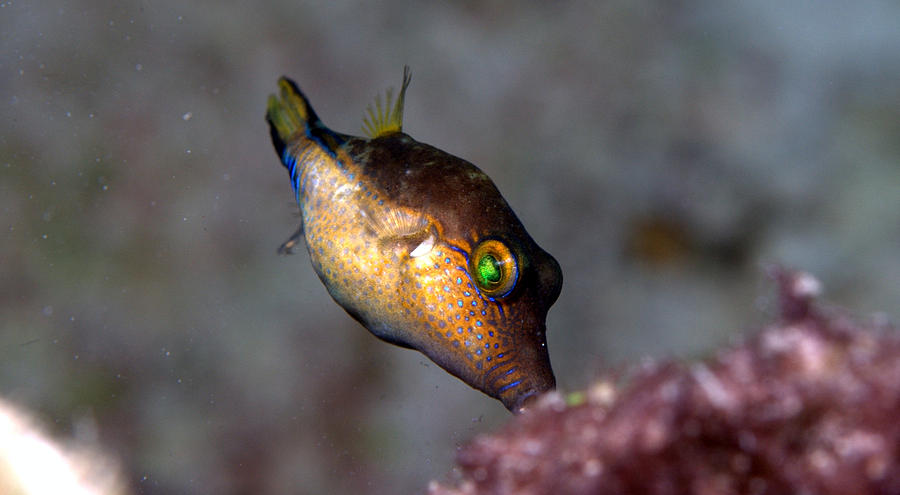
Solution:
(494, 268)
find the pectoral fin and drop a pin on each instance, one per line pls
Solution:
(401, 228)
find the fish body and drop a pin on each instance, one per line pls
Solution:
(420, 247)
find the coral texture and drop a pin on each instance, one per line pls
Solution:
(32, 462)
(811, 404)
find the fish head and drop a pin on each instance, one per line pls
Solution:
(473, 287)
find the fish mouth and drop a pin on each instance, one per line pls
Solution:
(525, 398)
(523, 388)
(527, 373)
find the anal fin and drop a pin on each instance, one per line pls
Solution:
(288, 246)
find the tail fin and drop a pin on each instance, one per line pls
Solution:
(288, 115)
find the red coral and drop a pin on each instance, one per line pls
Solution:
(809, 405)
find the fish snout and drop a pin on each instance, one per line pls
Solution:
(532, 375)
(526, 396)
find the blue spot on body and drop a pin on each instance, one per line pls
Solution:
(480, 336)
(459, 303)
(478, 323)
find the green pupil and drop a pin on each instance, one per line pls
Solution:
(489, 271)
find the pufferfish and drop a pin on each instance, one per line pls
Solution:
(419, 246)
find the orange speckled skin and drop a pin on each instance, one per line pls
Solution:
(351, 191)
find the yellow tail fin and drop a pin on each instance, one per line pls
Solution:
(289, 114)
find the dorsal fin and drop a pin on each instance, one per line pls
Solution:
(382, 121)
